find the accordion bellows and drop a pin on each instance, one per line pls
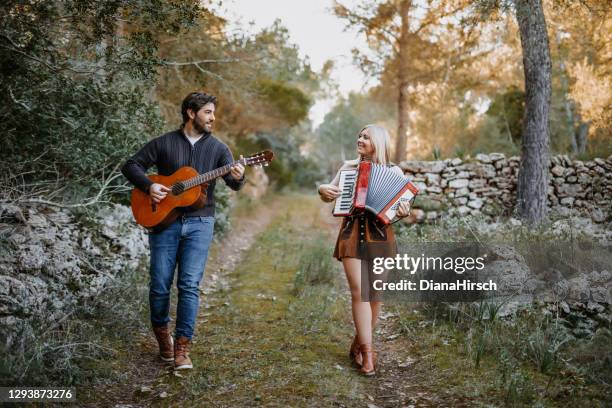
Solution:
(375, 188)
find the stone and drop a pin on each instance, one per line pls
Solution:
(507, 267)
(570, 190)
(434, 189)
(568, 201)
(420, 185)
(600, 161)
(598, 215)
(557, 181)
(496, 156)
(463, 210)
(459, 183)
(432, 179)
(601, 295)
(431, 215)
(11, 212)
(579, 289)
(31, 257)
(571, 179)
(595, 307)
(477, 183)
(485, 171)
(17, 238)
(600, 170)
(483, 158)
(476, 204)
(583, 178)
(418, 214)
(417, 166)
(459, 175)
(60, 217)
(37, 221)
(501, 164)
(461, 200)
(56, 263)
(557, 171)
(456, 161)
(462, 192)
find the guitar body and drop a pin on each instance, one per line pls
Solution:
(157, 216)
(160, 215)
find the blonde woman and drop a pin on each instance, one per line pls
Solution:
(356, 234)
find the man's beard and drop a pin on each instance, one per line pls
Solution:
(198, 126)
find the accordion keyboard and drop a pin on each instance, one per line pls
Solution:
(347, 192)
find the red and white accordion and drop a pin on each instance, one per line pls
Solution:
(375, 188)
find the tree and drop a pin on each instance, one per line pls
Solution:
(337, 135)
(581, 54)
(72, 80)
(261, 81)
(533, 172)
(412, 43)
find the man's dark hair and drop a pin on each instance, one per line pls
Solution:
(195, 101)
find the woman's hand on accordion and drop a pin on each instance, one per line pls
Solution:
(403, 210)
(329, 192)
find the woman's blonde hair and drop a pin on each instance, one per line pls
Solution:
(381, 141)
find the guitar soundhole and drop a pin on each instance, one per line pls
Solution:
(178, 188)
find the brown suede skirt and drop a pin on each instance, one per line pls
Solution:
(364, 237)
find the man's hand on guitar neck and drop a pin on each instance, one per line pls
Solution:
(158, 192)
(237, 170)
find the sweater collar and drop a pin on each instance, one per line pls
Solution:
(185, 138)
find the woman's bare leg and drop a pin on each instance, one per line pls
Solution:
(362, 312)
(376, 307)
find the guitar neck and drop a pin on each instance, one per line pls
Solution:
(208, 176)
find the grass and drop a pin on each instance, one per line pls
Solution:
(82, 348)
(536, 357)
(526, 361)
(279, 336)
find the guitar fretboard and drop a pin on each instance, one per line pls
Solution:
(208, 176)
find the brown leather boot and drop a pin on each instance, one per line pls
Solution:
(367, 353)
(164, 340)
(181, 354)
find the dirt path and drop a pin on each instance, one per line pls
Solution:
(260, 344)
(275, 326)
(142, 370)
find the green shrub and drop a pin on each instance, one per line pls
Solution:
(316, 267)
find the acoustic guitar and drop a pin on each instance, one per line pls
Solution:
(188, 189)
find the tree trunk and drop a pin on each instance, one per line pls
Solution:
(567, 103)
(581, 135)
(403, 82)
(533, 173)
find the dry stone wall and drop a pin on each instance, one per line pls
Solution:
(51, 262)
(486, 186)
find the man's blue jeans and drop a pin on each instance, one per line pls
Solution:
(185, 242)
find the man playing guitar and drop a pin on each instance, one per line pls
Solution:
(185, 242)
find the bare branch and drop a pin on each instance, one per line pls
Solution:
(205, 61)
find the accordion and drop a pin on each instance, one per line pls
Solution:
(375, 188)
